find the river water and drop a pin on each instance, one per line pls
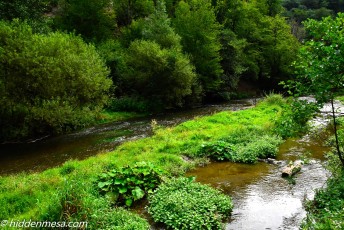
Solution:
(51, 152)
(262, 198)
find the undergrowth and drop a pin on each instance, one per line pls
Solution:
(326, 211)
(184, 204)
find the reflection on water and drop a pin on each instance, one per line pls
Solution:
(262, 198)
(55, 151)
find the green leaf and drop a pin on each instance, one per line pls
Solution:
(119, 181)
(128, 202)
(138, 193)
(123, 190)
(101, 184)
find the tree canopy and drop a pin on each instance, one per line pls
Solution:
(48, 83)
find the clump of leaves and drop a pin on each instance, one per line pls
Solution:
(264, 147)
(219, 150)
(295, 116)
(131, 183)
(184, 204)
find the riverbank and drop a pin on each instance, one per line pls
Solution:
(326, 211)
(71, 188)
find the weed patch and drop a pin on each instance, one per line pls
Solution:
(184, 204)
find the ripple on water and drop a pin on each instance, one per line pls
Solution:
(262, 198)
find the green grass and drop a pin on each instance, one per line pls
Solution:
(69, 192)
(109, 116)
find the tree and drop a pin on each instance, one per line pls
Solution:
(154, 67)
(129, 10)
(93, 19)
(164, 76)
(320, 66)
(156, 27)
(195, 22)
(48, 83)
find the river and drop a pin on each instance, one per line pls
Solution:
(262, 198)
(51, 152)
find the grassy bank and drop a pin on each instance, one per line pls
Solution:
(70, 193)
(326, 211)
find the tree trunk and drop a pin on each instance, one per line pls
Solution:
(339, 153)
(291, 170)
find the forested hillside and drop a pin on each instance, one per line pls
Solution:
(58, 58)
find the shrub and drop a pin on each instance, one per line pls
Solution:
(49, 83)
(184, 204)
(129, 184)
(295, 117)
(164, 76)
(219, 150)
(244, 147)
(274, 99)
(263, 147)
(326, 210)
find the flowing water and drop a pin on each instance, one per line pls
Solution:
(262, 198)
(51, 152)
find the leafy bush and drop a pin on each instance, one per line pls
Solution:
(264, 147)
(184, 204)
(326, 210)
(164, 76)
(274, 99)
(219, 150)
(129, 184)
(49, 83)
(244, 147)
(294, 118)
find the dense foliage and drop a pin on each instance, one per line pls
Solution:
(238, 148)
(94, 20)
(184, 204)
(48, 83)
(326, 211)
(130, 183)
(161, 54)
